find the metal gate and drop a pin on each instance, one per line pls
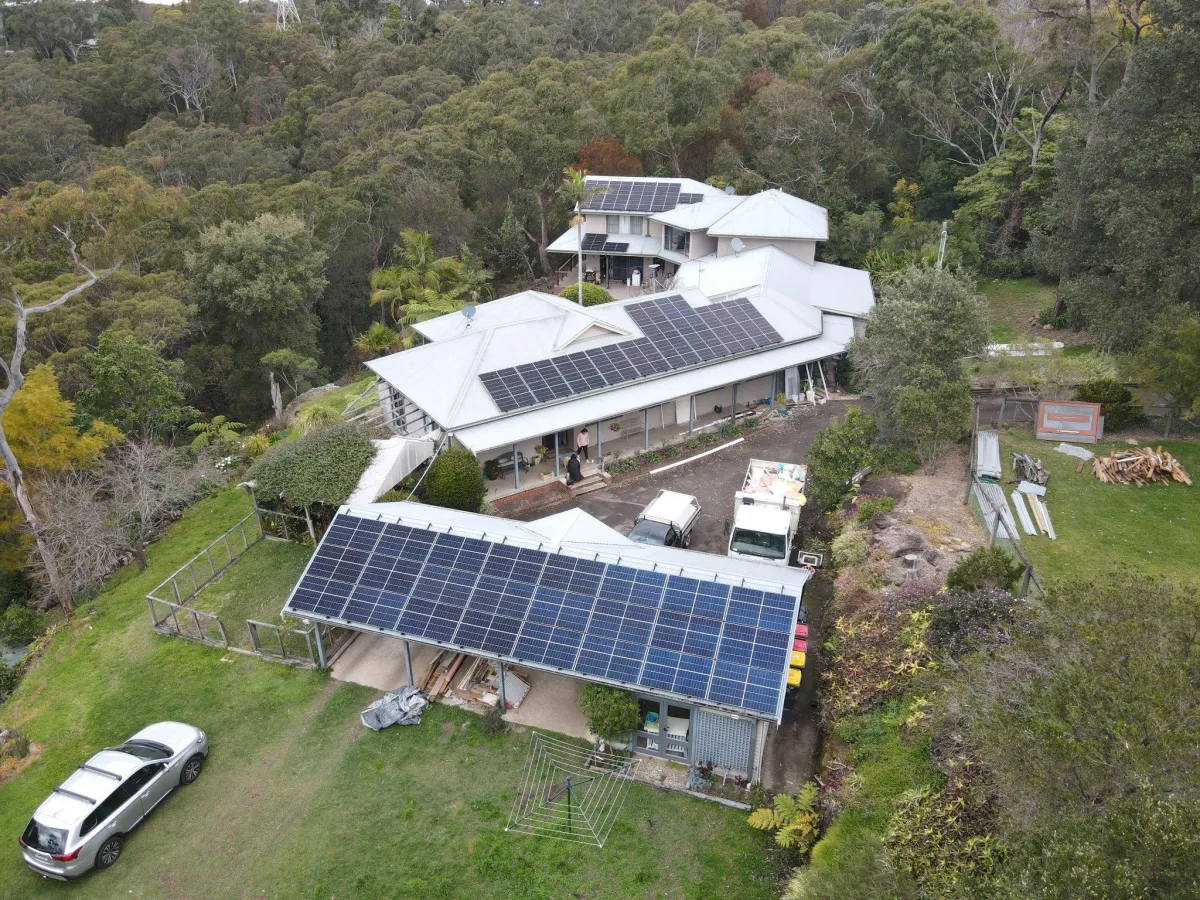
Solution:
(722, 741)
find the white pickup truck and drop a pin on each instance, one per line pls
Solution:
(766, 511)
(667, 520)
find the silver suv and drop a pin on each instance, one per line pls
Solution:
(83, 823)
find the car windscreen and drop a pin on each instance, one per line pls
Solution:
(145, 750)
(758, 543)
(647, 532)
(44, 838)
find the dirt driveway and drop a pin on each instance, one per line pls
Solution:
(792, 747)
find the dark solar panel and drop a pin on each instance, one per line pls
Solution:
(676, 335)
(633, 196)
(699, 639)
(599, 243)
(685, 199)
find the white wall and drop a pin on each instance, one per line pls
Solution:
(802, 250)
(701, 245)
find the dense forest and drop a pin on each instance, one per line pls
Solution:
(259, 176)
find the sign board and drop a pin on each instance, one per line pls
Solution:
(1069, 420)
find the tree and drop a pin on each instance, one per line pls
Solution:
(930, 416)
(42, 143)
(192, 74)
(19, 221)
(257, 284)
(295, 371)
(605, 156)
(419, 276)
(984, 569)
(1171, 365)
(454, 480)
(576, 193)
(837, 452)
(134, 388)
(613, 714)
(377, 339)
(220, 433)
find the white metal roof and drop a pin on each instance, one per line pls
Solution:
(442, 377)
(695, 216)
(639, 244)
(670, 507)
(774, 214)
(767, 519)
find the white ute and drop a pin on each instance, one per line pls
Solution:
(667, 520)
(766, 511)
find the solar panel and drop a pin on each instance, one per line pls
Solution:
(676, 336)
(700, 639)
(599, 243)
(685, 199)
(633, 196)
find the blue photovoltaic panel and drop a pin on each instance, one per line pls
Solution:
(675, 336)
(699, 639)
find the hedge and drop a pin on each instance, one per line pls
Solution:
(454, 480)
(593, 294)
(323, 466)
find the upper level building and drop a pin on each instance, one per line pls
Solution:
(637, 232)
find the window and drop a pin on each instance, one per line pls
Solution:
(145, 750)
(41, 837)
(114, 802)
(142, 776)
(677, 240)
(625, 224)
(759, 543)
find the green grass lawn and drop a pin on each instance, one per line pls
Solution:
(339, 399)
(299, 801)
(254, 587)
(1106, 527)
(1011, 303)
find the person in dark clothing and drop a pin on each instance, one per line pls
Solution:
(573, 473)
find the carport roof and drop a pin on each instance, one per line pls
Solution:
(706, 676)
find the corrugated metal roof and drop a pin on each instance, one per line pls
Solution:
(774, 214)
(987, 455)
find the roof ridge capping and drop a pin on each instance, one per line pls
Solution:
(537, 541)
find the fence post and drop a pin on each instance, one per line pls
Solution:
(309, 643)
(1025, 580)
(175, 619)
(153, 615)
(995, 527)
(228, 549)
(282, 649)
(224, 633)
(245, 540)
(175, 590)
(199, 627)
(212, 570)
(253, 629)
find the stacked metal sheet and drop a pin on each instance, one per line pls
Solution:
(987, 455)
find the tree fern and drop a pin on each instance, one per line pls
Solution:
(793, 819)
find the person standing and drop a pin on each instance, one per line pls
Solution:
(583, 442)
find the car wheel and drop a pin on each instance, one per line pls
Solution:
(110, 851)
(191, 769)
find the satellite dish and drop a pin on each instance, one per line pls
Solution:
(737, 245)
(730, 190)
(468, 312)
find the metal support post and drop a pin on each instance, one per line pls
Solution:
(753, 750)
(320, 645)
(824, 383)
(311, 531)
(556, 455)
(516, 468)
(600, 445)
(691, 414)
(646, 428)
(733, 408)
(408, 665)
(500, 686)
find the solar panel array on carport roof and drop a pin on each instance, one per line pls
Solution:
(701, 639)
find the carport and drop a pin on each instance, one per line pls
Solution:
(702, 641)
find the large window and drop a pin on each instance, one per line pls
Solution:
(625, 224)
(677, 240)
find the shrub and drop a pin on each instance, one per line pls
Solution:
(793, 819)
(455, 481)
(14, 744)
(965, 621)
(889, 459)
(1047, 317)
(837, 452)
(593, 294)
(492, 723)
(709, 438)
(256, 445)
(730, 430)
(491, 470)
(986, 568)
(850, 547)
(322, 466)
(612, 713)
(871, 507)
(310, 418)
(10, 677)
(20, 624)
(1116, 403)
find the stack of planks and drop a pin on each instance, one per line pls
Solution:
(1140, 466)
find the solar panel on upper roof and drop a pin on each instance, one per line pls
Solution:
(699, 639)
(633, 196)
(676, 335)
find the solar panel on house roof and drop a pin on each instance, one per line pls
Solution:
(633, 196)
(690, 198)
(675, 336)
(599, 243)
(702, 640)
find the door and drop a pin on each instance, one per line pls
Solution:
(152, 785)
(665, 729)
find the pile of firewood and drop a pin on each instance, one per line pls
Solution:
(1140, 466)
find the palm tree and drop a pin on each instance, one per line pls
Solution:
(576, 191)
(417, 270)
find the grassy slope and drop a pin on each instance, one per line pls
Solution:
(1104, 527)
(299, 801)
(1011, 303)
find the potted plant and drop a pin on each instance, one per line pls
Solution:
(615, 427)
(491, 470)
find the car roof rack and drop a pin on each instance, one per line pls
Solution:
(88, 767)
(75, 796)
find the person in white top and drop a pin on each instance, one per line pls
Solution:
(582, 444)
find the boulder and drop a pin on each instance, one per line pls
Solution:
(899, 541)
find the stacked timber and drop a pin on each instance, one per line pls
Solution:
(1140, 466)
